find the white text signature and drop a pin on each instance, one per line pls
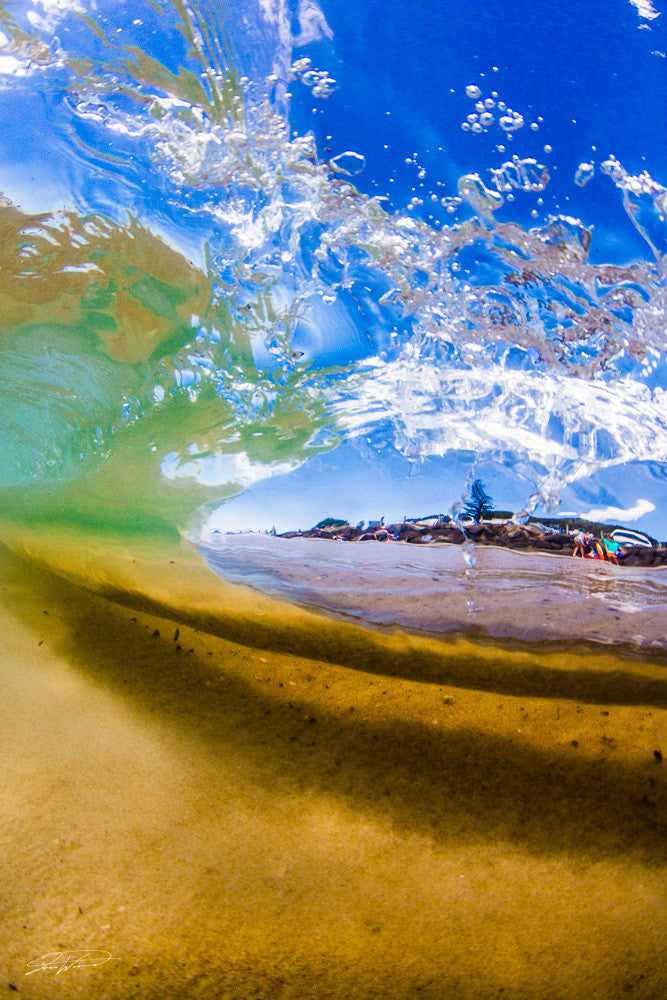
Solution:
(61, 961)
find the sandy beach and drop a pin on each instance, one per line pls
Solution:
(210, 793)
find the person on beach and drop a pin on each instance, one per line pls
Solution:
(612, 550)
(588, 547)
(599, 551)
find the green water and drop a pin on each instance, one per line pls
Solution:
(92, 330)
(116, 351)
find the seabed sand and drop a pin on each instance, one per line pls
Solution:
(233, 820)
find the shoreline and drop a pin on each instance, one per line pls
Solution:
(531, 537)
(505, 596)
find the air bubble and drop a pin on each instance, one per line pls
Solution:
(525, 175)
(584, 173)
(473, 91)
(548, 149)
(486, 119)
(451, 204)
(348, 163)
(511, 122)
(489, 103)
(301, 66)
(478, 195)
(476, 127)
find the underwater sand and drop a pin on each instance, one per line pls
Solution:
(232, 820)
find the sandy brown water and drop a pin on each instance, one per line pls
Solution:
(232, 819)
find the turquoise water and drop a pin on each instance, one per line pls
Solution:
(217, 277)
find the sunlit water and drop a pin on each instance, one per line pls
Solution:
(199, 292)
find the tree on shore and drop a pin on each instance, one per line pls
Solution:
(479, 504)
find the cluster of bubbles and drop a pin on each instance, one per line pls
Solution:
(521, 175)
(490, 111)
(481, 335)
(318, 81)
(514, 175)
(637, 184)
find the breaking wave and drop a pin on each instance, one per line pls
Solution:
(211, 297)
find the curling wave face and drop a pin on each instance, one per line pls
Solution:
(219, 303)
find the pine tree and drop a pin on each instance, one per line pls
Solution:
(480, 503)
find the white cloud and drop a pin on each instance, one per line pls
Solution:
(11, 66)
(231, 469)
(645, 9)
(618, 514)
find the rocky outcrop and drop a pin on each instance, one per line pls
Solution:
(528, 537)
